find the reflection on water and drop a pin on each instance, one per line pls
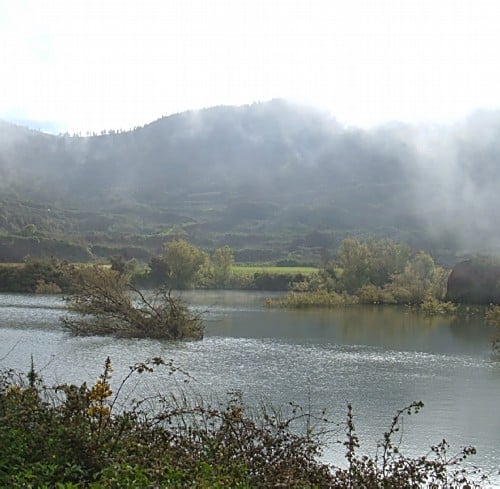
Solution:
(379, 359)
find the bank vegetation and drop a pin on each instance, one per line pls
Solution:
(80, 436)
(361, 272)
(374, 272)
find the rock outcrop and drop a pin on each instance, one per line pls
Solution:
(475, 281)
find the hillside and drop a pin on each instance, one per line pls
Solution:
(273, 180)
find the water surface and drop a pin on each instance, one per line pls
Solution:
(378, 359)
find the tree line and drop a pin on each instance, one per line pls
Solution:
(375, 271)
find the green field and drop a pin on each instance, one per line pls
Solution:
(249, 271)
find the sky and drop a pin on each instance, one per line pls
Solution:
(89, 65)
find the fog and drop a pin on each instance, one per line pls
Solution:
(457, 180)
(278, 164)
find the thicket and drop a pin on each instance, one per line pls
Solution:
(182, 265)
(79, 436)
(375, 272)
(195, 269)
(37, 276)
(365, 272)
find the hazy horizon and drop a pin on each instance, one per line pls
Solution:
(89, 65)
(53, 128)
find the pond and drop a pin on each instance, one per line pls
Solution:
(379, 359)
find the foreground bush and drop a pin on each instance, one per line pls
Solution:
(72, 434)
(104, 305)
(389, 468)
(75, 436)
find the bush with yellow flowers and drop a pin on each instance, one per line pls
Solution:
(73, 437)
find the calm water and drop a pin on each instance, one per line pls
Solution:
(378, 359)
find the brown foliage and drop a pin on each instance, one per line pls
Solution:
(107, 304)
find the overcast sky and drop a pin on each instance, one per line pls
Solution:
(82, 65)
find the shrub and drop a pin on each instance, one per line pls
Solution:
(390, 468)
(241, 282)
(39, 276)
(76, 436)
(43, 287)
(371, 294)
(433, 307)
(320, 298)
(104, 305)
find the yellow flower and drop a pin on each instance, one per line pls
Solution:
(96, 411)
(100, 391)
(13, 389)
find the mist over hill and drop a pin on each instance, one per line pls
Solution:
(272, 176)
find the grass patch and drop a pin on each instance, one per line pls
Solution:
(251, 270)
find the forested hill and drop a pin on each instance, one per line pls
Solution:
(265, 176)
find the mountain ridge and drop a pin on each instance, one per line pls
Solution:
(274, 170)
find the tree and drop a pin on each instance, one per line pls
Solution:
(184, 262)
(124, 267)
(352, 257)
(222, 261)
(421, 278)
(158, 273)
(370, 262)
(107, 304)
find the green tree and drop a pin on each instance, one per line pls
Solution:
(185, 262)
(370, 262)
(353, 258)
(222, 261)
(421, 278)
(386, 258)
